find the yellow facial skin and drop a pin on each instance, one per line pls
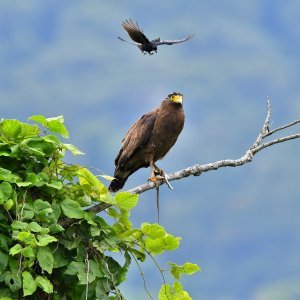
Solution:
(177, 98)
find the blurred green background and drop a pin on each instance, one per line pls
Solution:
(241, 225)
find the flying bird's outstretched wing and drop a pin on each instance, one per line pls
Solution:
(133, 43)
(134, 31)
(171, 42)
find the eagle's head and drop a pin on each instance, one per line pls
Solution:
(175, 97)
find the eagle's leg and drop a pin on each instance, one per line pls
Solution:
(159, 174)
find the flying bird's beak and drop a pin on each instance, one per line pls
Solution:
(178, 99)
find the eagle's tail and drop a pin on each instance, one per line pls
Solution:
(117, 184)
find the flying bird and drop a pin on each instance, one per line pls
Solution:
(140, 40)
(148, 140)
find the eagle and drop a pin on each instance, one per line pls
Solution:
(140, 40)
(149, 139)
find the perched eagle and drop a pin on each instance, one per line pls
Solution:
(140, 40)
(149, 139)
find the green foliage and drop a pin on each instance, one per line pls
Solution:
(51, 245)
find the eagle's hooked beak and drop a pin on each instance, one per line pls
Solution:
(177, 99)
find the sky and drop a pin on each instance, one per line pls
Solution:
(241, 225)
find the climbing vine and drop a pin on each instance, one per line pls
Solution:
(51, 245)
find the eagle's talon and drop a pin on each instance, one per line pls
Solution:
(167, 181)
(155, 180)
(160, 177)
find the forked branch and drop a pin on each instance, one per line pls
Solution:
(197, 170)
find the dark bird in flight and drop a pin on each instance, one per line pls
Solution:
(140, 40)
(148, 140)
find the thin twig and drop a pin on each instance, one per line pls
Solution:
(143, 277)
(282, 127)
(277, 141)
(266, 125)
(157, 203)
(87, 275)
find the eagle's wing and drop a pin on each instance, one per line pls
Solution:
(136, 137)
(134, 31)
(171, 42)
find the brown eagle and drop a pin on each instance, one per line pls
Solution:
(140, 40)
(149, 139)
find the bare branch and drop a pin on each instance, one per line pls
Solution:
(197, 170)
(265, 129)
(283, 127)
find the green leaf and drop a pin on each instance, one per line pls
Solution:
(15, 249)
(121, 275)
(28, 131)
(28, 252)
(72, 209)
(3, 291)
(31, 180)
(80, 269)
(75, 267)
(73, 149)
(56, 184)
(5, 192)
(4, 241)
(174, 292)
(53, 139)
(138, 254)
(41, 206)
(153, 231)
(3, 261)
(38, 146)
(28, 214)
(154, 246)
(125, 200)
(27, 238)
(56, 211)
(107, 198)
(176, 270)
(95, 268)
(35, 227)
(45, 259)
(10, 128)
(29, 285)
(19, 225)
(56, 228)
(190, 268)
(165, 293)
(91, 183)
(39, 119)
(57, 126)
(7, 175)
(59, 258)
(44, 240)
(8, 204)
(44, 284)
(171, 242)
(102, 289)
(53, 124)
(95, 231)
(13, 281)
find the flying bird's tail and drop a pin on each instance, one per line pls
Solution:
(117, 184)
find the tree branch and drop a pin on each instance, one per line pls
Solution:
(197, 170)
